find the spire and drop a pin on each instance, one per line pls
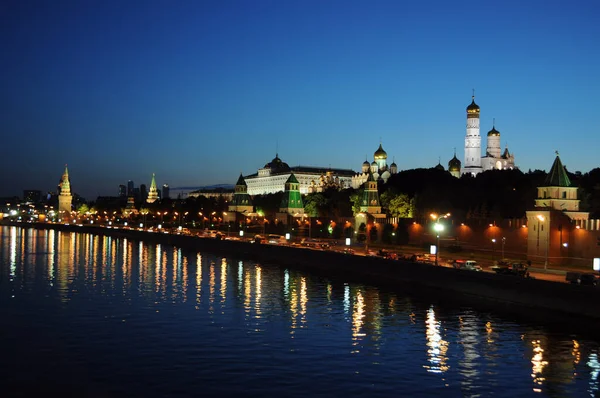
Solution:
(65, 184)
(557, 177)
(153, 192)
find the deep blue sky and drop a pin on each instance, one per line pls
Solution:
(199, 91)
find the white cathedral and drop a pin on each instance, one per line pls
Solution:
(494, 158)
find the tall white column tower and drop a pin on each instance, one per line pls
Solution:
(472, 141)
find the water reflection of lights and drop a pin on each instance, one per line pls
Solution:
(538, 364)
(303, 300)
(240, 275)
(469, 338)
(286, 284)
(346, 298)
(489, 330)
(157, 267)
(13, 252)
(198, 280)
(438, 347)
(223, 281)
(358, 315)
(258, 293)
(575, 352)
(211, 286)
(594, 366)
(51, 236)
(293, 308)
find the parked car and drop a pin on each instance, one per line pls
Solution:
(582, 278)
(515, 268)
(469, 265)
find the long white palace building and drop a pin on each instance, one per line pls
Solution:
(272, 177)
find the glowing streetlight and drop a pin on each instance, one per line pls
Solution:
(438, 228)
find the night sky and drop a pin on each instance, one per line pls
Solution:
(199, 91)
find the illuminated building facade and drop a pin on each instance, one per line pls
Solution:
(494, 158)
(65, 198)
(153, 193)
(273, 176)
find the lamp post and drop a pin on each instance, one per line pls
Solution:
(493, 249)
(228, 222)
(438, 228)
(503, 242)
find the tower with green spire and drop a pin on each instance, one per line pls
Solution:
(242, 202)
(65, 198)
(557, 192)
(291, 202)
(370, 198)
(153, 193)
(554, 218)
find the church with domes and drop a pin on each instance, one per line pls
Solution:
(474, 162)
(378, 168)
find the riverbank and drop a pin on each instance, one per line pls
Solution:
(573, 307)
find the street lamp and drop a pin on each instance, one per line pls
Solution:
(493, 249)
(438, 228)
(503, 242)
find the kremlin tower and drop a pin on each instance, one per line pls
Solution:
(65, 198)
(153, 193)
(472, 140)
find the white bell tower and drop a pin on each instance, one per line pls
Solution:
(472, 140)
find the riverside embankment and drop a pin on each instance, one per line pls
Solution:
(573, 307)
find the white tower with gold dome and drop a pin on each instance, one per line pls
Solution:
(472, 140)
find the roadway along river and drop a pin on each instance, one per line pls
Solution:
(87, 315)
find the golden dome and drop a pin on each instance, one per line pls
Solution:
(380, 153)
(454, 164)
(493, 132)
(473, 108)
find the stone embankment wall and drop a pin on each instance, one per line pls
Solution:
(550, 302)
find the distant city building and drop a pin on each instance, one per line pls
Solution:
(136, 193)
(165, 191)
(272, 178)
(64, 197)
(493, 159)
(32, 196)
(143, 192)
(378, 169)
(130, 187)
(122, 191)
(153, 194)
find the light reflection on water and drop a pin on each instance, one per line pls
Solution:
(233, 325)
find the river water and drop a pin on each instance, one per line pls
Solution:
(85, 315)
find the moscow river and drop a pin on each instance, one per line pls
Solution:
(86, 315)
